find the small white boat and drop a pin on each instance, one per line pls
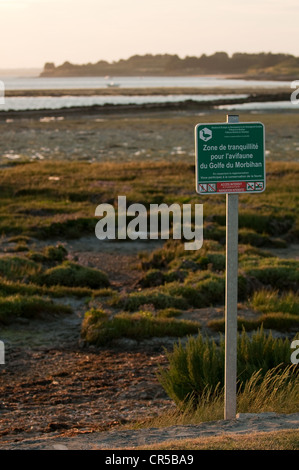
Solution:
(113, 85)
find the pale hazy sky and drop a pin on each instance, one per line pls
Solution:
(33, 32)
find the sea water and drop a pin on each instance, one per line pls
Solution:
(71, 83)
(57, 83)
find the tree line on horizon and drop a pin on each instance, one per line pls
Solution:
(264, 64)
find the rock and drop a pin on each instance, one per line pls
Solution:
(59, 447)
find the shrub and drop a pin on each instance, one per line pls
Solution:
(15, 268)
(200, 364)
(246, 251)
(271, 301)
(20, 247)
(253, 238)
(50, 253)
(159, 300)
(201, 261)
(37, 256)
(8, 288)
(55, 253)
(153, 277)
(275, 391)
(279, 321)
(73, 275)
(156, 277)
(67, 229)
(161, 257)
(206, 292)
(262, 223)
(175, 295)
(19, 239)
(191, 369)
(272, 321)
(169, 312)
(214, 261)
(261, 351)
(214, 232)
(98, 329)
(281, 274)
(29, 307)
(175, 275)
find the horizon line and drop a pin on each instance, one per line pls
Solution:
(111, 61)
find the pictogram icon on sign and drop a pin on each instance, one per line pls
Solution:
(202, 187)
(250, 187)
(205, 134)
(211, 187)
(259, 186)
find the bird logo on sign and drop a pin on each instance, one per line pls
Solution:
(205, 134)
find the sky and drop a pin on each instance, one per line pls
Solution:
(33, 32)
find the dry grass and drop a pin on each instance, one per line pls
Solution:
(276, 440)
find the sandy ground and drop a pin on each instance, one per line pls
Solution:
(247, 424)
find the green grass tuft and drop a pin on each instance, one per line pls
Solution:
(159, 300)
(50, 253)
(99, 329)
(16, 268)
(28, 307)
(73, 275)
(271, 301)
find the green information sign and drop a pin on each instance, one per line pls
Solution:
(230, 158)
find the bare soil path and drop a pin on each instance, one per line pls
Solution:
(53, 385)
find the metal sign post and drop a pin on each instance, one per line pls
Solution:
(231, 301)
(230, 159)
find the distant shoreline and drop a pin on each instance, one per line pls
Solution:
(259, 77)
(149, 91)
(106, 109)
(261, 66)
